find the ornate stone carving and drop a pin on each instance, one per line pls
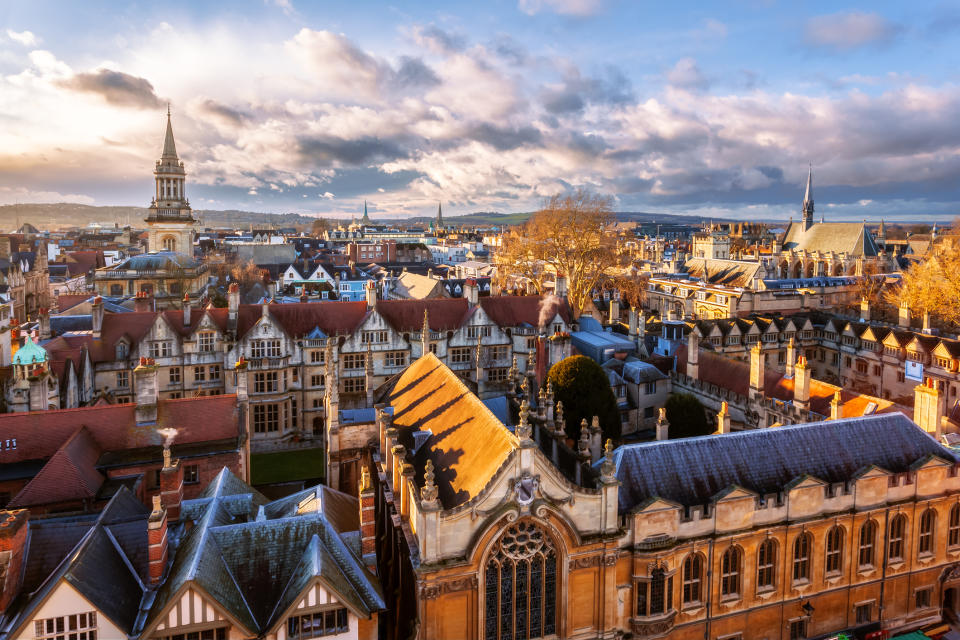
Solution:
(651, 628)
(585, 562)
(525, 489)
(431, 590)
(950, 572)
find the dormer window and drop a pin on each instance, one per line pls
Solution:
(318, 624)
(123, 350)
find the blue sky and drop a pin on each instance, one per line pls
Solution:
(707, 108)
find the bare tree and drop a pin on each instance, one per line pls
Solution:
(570, 235)
(320, 227)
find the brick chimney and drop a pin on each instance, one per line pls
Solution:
(471, 291)
(371, 290)
(141, 302)
(171, 484)
(927, 411)
(147, 390)
(791, 359)
(44, 317)
(14, 526)
(368, 526)
(157, 551)
(233, 304)
(96, 313)
(801, 384)
(836, 407)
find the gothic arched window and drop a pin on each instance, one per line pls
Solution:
(834, 550)
(801, 558)
(521, 585)
(767, 564)
(868, 536)
(927, 524)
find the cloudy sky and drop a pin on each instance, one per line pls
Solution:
(288, 105)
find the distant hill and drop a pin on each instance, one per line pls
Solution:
(63, 214)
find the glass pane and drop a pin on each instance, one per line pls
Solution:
(550, 595)
(491, 602)
(520, 606)
(506, 601)
(536, 597)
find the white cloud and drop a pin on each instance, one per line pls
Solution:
(580, 8)
(327, 195)
(26, 38)
(850, 30)
(284, 5)
(686, 74)
(15, 195)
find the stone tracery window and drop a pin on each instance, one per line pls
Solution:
(521, 585)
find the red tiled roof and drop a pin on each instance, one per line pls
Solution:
(81, 262)
(300, 318)
(407, 315)
(113, 427)
(513, 311)
(68, 300)
(70, 474)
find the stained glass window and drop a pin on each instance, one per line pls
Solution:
(521, 585)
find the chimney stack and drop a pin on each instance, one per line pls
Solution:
(157, 551)
(186, 311)
(14, 527)
(147, 390)
(171, 484)
(723, 418)
(560, 288)
(791, 358)
(904, 317)
(368, 525)
(801, 384)
(96, 313)
(44, 317)
(233, 303)
(757, 373)
(614, 310)
(693, 354)
(371, 294)
(471, 291)
(141, 302)
(836, 407)
(927, 412)
(663, 427)
(864, 310)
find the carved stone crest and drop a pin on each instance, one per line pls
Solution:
(525, 489)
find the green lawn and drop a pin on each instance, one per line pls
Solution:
(286, 466)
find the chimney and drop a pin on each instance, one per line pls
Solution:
(632, 319)
(233, 303)
(904, 319)
(471, 291)
(927, 328)
(693, 354)
(44, 316)
(560, 288)
(801, 384)
(926, 408)
(96, 313)
(836, 407)
(791, 358)
(157, 542)
(614, 315)
(171, 484)
(147, 389)
(371, 294)
(240, 369)
(723, 418)
(864, 310)
(757, 374)
(663, 427)
(14, 527)
(141, 302)
(186, 311)
(368, 524)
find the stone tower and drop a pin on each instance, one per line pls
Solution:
(170, 221)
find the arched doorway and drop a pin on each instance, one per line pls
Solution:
(520, 584)
(950, 604)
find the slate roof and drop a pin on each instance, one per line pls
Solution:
(467, 443)
(407, 315)
(693, 471)
(840, 237)
(517, 311)
(733, 273)
(69, 475)
(221, 553)
(90, 557)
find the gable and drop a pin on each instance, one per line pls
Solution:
(65, 600)
(192, 607)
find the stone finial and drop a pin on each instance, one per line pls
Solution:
(525, 387)
(560, 421)
(428, 493)
(595, 425)
(524, 430)
(607, 467)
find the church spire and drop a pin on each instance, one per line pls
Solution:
(439, 216)
(808, 201)
(366, 218)
(169, 147)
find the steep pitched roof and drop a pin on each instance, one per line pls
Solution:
(414, 286)
(70, 474)
(692, 471)
(839, 237)
(734, 273)
(517, 311)
(467, 443)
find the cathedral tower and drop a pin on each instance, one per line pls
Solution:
(170, 220)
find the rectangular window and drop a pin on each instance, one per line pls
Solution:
(265, 382)
(650, 388)
(123, 379)
(203, 634)
(531, 344)
(498, 352)
(191, 474)
(864, 613)
(159, 349)
(354, 360)
(798, 629)
(460, 354)
(922, 598)
(199, 374)
(174, 375)
(395, 358)
(498, 374)
(214, 372)
(316, 381)
(265, 349)
(205, 341)
(317, 357)
(373, 337)
(354, 385)
(266, 418)
(900, 376)
(316, 625)
(80, 626)
(475, 332)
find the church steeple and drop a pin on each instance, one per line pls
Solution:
(439, 216)
(366, 218)
(808, 201)
(170, 219)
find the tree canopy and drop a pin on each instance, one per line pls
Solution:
(687, 417)
(583, 387)
(933, 284)
(569, 236)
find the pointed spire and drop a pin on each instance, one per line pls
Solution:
(808, 200)
(439, 215)
(169, 147)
